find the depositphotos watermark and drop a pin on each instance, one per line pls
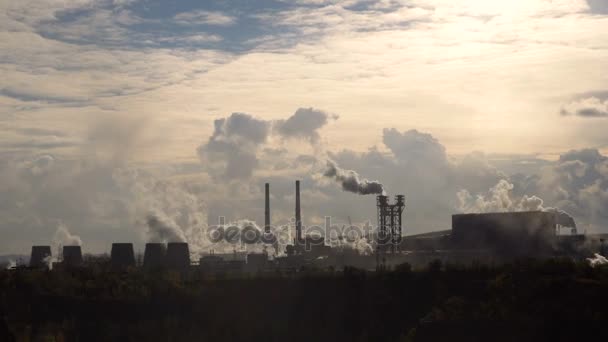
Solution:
(328, 233)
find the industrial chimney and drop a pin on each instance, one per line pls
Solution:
(298, 215)
(39, 256)
(154, 255)
(267, 210)
(122, 255)
(72, 256)
(178, 256)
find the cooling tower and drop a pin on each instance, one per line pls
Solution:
(72, 255)
(39, 256)
(178, 256)
(122, 255)
(154, 255)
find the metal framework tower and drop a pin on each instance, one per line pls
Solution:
(389, 222)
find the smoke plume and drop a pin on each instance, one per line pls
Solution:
(11, 263)
(597, 260)
(351, 181)
(63, 237)
(499, 199)
(163, 230)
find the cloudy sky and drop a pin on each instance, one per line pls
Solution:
(112, 109)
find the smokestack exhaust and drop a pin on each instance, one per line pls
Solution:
(298, 214)
(267, 210)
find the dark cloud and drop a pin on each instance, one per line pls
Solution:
(414, 147)
(40, 132)
(304, 123)
(598, 6)
(576, 183)
(41, 144)
(232, 148)
(590, 107)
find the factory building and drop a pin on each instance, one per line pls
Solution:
(512, 234)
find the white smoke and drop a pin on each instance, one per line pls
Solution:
(162, 229)
(236, 235)
(597, 260)
(11, 264)
(63, 237)
(164, 210)
(49, 260)
(351, 181)
(364, 247)
(499, 199)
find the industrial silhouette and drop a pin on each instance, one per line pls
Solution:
(488, 237)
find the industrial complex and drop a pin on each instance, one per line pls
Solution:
(482, 238)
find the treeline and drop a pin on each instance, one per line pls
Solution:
(522, 301)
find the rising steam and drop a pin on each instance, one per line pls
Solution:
(63, 237)
(499, 199)
(597, 260)
(162, 229)
(351, 181)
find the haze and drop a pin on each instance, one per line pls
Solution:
(111, 110)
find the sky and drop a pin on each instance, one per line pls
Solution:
(115, 110)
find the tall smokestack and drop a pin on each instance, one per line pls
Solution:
(267, 210)
(298, 214)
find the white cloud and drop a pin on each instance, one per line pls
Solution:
(200, 17)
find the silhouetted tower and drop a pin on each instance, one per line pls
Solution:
(298, 241)
(122, 255)
(389, 222)
(267, 209)
(178, 256)
(40, 257)
(72, 256)
(269, 237)
(154, 255)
